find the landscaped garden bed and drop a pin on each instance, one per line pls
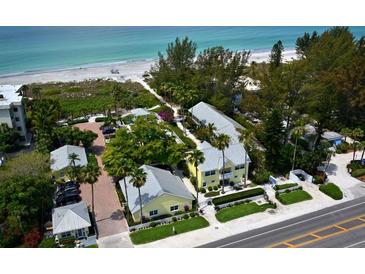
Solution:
(293, 197)
(163, 231)
(187, 141)
(238, 196)
(212, 194)
(285, 186)
(241, 210)
(332, 190)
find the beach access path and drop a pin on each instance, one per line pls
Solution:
(109, 217)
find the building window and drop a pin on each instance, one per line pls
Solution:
(204, 184)
(17, 119)
(213, 181)
(66, 234)
(239, 167)
(174, 208)
(15, 109)
(19, 128)
(153, 212)
(210, 173)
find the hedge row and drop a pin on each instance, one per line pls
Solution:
(284, 186)
(358, 172)
(100, 119)
(77, 121)
(238, 196)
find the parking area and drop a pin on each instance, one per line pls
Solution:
(109, 217)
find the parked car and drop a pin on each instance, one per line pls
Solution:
(108, 130)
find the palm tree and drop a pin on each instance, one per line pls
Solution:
(196, 157)
(222, 142)
(211, 128)
(90, 175)
(346, 132)
(73, 157)
(297, 133)
(117, 95)
(356, 135)
(139, 177)
(246, 137)
(123, 168)
(363, 150)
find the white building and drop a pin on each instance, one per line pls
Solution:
(12, 111)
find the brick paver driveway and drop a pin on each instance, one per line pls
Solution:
(109, 214)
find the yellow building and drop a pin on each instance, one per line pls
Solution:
(162, 194)
(210, 172)
(236, 159)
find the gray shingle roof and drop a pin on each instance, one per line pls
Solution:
(60, 157)
(70, 217)
(159, 182)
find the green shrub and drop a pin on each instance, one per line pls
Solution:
(284, 186)
(153, 224)
(192, 214)
(261, 176)
(231, 183)
(77, 121)
(203, 190)
(238, 196)
(174, 219)
(318, 179)
(215, 188)
(212, 194)
(332, 190)
(210, 188)
(358, 172)
(47, 243)
(100, 119)
(186, 216)
(342, 148)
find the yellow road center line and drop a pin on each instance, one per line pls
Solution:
(319, 238)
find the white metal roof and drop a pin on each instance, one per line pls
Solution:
(60, 157)
(10, 94)
(139, 112)
(159, 182)
(70, 217)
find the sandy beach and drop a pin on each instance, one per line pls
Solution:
(127, 70)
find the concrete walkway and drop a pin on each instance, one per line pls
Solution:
(120, 240)
(338, 174)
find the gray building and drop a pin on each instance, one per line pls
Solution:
(12, 111)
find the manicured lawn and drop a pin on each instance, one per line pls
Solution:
(332, 190)
(164, 231)
(92, 246)
(358, 172)
(212, 194)
(238, 211)
(294, 197)
(284, 186)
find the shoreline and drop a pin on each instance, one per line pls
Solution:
(128, 70)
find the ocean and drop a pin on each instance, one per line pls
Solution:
(33, 49)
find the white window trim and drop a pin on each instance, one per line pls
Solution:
(154, 213)
(177, 208)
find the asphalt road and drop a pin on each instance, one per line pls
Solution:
(342, 225)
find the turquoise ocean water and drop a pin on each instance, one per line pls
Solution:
(31, 49)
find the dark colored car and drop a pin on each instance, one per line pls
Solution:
(108, 130)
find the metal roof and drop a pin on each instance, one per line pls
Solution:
(70, 217)
(60, 157)
(206, 113)
(159, 182)
(10, 95)
(139, 112)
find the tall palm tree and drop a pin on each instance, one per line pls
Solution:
(139, 177)
(363, 150)
(356, 135)
(123, 167)
(90, 175)
(246, 137)
(196, 157)
(222, 142)
(297, 133)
